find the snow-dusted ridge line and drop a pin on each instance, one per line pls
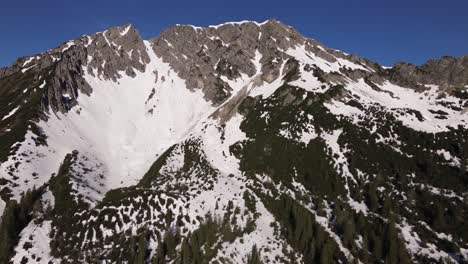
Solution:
(227, 23)
(126, 30)
(394, 98)
(240, 23)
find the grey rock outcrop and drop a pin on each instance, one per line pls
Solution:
(106, 55)
(207, 57)
(203, 56)
(447, 72)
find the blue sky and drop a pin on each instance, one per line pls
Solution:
(383, 31)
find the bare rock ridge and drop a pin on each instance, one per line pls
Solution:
(203, 56)
(448, 72)
(207, 57)
(106, 54)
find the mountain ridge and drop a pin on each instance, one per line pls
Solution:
(21, 59)
(115, 148)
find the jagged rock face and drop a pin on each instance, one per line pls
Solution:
(107, 55)
(448, 72)
(207, 57)
(203, 56)
(239, 143)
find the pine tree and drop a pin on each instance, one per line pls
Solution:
(254, 257)
(375, 245)
(326, 254)
(387, 208)
(185, 251)
(131, 254)
(349, 231)
(395, 250)
(228, 234)
(211, 234)
(7, 231)
(142, 248)
(312, 250)
(16, 216)
(373, 201)
(196, 246)
(391, 246)
(439, 219)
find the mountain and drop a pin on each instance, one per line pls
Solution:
(238, 143)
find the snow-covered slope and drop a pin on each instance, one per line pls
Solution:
(121, 149)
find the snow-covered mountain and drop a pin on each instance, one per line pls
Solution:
(238, 143)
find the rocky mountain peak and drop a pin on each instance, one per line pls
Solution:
(208, 57)
(108, 55)
(449, 73)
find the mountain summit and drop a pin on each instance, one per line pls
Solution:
(243, 142)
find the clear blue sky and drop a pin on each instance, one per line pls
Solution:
(383, 31)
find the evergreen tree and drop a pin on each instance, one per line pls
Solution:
(349, 231)
(142, 248)
(439, 219)
(254, 257)
(132, 253)
(195, 245)
(185, 252)
(16, 216)
(375, 245)
(391, 246)
(373, 200)
(7, 231)
(326, 254)
(228, 233)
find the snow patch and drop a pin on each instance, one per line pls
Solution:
(26, 62)
(68, 45)
(125, 31)
(416, 246)
(454, 161)
(12, 112)
(115, 125)
(239, 23)
(403, 102)
(27, 68)
(306, 57)
(35, 242)
(42, 84)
